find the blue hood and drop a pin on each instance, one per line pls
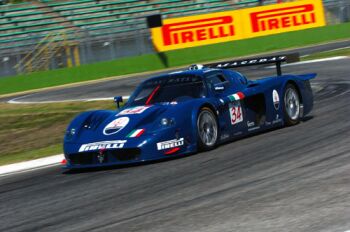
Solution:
(113, 125)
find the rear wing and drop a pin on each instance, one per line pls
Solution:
(289, 58)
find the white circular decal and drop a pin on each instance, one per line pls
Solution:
(116, 125)
(276, 99)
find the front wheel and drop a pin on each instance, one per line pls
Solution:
(291, 105)
(207, 128)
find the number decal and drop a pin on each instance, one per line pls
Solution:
(236, 114)
(134, 110)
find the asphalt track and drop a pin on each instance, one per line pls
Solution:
(289, 179)
(124, 87)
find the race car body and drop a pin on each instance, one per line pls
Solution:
(185, 112)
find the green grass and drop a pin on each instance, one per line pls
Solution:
(152, 62)
(31, 154)
(320, 55)
(36, 130)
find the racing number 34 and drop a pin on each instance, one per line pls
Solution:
(236, 112)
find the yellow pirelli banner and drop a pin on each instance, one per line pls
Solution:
(204, 29)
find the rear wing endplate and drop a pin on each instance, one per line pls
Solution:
(278, 60)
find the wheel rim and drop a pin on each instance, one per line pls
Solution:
(207, 128)
(291, 102)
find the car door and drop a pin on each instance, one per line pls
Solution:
(231, 113)
(253, 104)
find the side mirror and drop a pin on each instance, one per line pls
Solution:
(219, 87)
(118, 100)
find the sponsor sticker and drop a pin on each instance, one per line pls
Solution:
(116, 125)
(275, 99)
(173, 103)
(170, 144)
(236, 114)
(219, 88)
(134, 110)
(250, 124)
(238, 133)
(277, 120)
(254, 128)
(97, 146)
(224, 136)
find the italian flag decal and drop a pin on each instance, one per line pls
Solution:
(236, 96)
(135, 133)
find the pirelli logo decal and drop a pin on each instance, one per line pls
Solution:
(102, 145)
(198, 30)
(170, 144)
(283, 18)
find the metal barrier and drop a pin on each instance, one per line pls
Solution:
(53, 45)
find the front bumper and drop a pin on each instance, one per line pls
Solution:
(117, 157)
(105, 158)
(134, 150)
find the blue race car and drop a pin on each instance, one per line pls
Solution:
(187, 111)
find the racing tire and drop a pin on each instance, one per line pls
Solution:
(207, 129)
(291, 105)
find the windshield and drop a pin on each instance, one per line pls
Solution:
(168, 89)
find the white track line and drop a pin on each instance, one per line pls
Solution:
(312, 61)
(30, 165)
(317, 60)
(17, 100)
(332, 50)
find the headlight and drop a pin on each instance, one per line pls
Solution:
(166, 122)
(70, 134)
(72, 131)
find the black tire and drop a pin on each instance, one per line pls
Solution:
(291, 105)
(207, 129)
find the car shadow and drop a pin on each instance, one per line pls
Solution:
(307, 118)
(123, 166)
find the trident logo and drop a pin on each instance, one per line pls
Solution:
(101, 155)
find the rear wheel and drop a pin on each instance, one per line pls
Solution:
(291, 106)
(207, 128)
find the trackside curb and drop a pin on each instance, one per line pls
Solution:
(30, 165)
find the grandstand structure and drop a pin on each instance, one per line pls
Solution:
(48, 34)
